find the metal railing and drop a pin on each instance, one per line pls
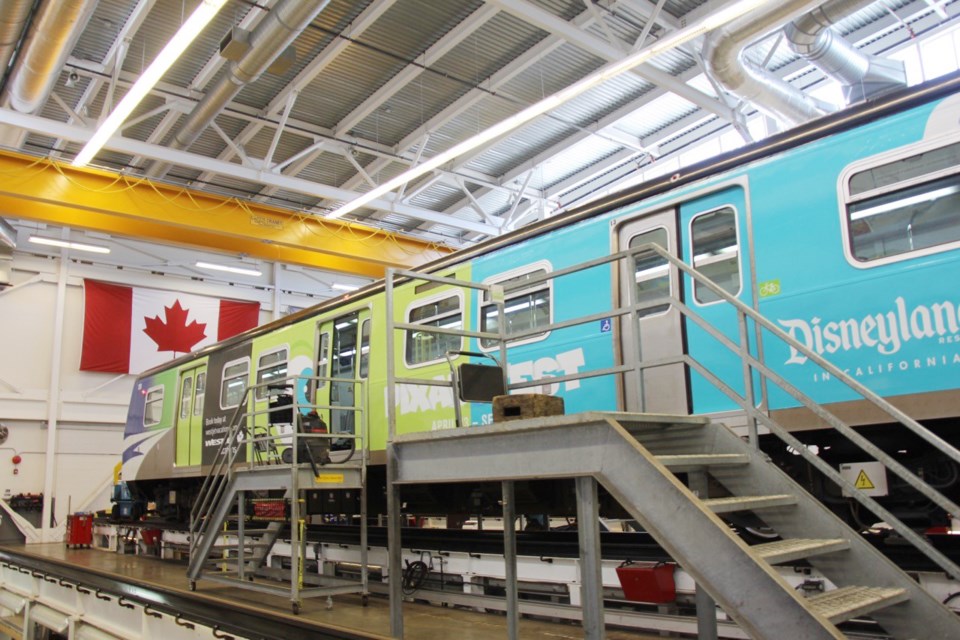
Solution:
(749, 323)
(253, 432)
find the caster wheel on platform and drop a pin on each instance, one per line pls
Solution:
(364, 599)
(193, 585)
(329, 603)
(296, 608)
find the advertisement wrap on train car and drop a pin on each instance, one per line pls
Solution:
(563, 352)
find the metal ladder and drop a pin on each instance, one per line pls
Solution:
(636, 456)
(237, 555)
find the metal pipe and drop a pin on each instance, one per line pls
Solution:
(271, 38)
(862, 75)
(724, 61)
(13, 17)
(51, 39)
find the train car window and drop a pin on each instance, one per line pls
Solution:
(365, 348)
(153, 407)
(344, 348)
(271, 367)
(234, 383)
(911, 204)
(186, 394)
(323, 359)
(426, 346)
(524, 307)
(716, 252)
(653, 272)
(198, 393)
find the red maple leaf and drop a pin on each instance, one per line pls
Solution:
(175, 334)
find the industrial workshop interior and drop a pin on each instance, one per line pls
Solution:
(479, 319)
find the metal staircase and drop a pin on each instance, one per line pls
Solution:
(231, 538)
(636, 458)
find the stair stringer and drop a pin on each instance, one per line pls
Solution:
(861, 564)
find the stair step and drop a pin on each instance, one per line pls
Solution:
(798, 549)
(749, 503)
(686, 460)
(849, 602)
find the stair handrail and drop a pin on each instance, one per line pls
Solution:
(753, 364)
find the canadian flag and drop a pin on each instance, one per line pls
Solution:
(131, 329)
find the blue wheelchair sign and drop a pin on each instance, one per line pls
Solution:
(606, 325)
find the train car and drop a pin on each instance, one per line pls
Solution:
(843, 232)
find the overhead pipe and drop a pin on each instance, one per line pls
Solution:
(50, 41)
(13, 18)
(861, 75)
(724, 61)
(270, 39)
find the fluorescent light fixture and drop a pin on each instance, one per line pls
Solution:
(344, 287)
(79, 246)
(671, 41)
(8, 235)
(188, 32)
(244, 271)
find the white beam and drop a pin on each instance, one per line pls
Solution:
(219, 167)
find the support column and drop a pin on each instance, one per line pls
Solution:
(706, 607)
(591, 584)
(395, 551)
(53, 399)
(510, 560)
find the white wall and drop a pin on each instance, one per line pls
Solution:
(89, 409)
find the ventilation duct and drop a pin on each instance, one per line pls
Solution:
(13, 16)
(52, 36)
(267, 42)
(861, 75)
(724, 60)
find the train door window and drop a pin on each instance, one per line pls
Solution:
(653, 272)
(903, 207)
(234, 383)
(153, 406)
(323, 359)
(198, 392)
(271, 367)
(524, 307)
(716, 252)
(365, 348)
(344, 346)
(186, 395)
(423, 346)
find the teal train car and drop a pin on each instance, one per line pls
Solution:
(844, 232)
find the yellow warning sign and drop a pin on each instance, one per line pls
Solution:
(331, 478)
(863, 481)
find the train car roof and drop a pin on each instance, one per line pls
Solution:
(844, 120)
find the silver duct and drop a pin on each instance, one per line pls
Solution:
(13, 17)
(52, 36)
(724, 61)
(271, 37)
(862, 75)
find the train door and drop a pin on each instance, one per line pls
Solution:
(659, 329)
(714, 232)
(343, 353)
(189, 421)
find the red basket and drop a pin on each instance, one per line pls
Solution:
(648, 582)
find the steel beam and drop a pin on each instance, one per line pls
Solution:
(59, 194)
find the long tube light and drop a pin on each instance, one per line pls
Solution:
(188, 32)
(79, 246)
(672, 41)
(249, 271)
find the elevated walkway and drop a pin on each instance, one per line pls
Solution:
(636, 456)
(257, 487)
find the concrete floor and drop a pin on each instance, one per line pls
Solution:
(421, 621)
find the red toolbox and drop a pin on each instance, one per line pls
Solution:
(648, 581)
(79, 530)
